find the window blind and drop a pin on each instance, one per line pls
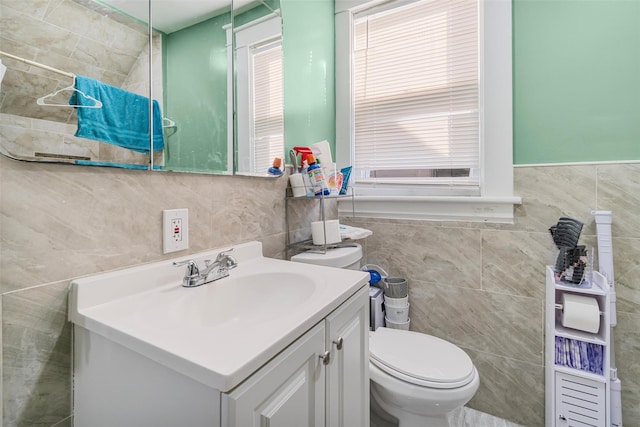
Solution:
(268, 114)
(416, 104)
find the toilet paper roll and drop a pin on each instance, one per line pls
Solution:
(580, 312)
(331, 228)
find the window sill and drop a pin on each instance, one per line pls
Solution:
(456, 208)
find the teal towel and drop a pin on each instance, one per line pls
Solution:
(115, 165)
(123, 119)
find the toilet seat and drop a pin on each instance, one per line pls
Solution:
(420, 359)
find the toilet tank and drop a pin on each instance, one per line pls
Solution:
(348, 257)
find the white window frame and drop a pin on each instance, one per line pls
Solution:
(496, 199)
(262, 30)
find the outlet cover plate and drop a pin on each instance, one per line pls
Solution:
(175, 230)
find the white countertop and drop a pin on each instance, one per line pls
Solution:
(218, 333)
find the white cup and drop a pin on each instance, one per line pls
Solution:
(297, 185)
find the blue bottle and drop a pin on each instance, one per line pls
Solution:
(275, 168)
(316, 176)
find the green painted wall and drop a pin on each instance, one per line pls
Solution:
(257, 11)
(195, 96)
(576, 80)
(309, 90)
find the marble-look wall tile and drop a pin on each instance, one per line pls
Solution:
(96, 219)
(509, 389)
(619, 192)
(16, 25)
(67, 422)
(74, 17)
(626, 268)
(551, 192)
(302, 211)
(36, 356)
(81, 147)
(504, 325)
(66, 35)
(25, 143)
(246, 208)
(430, 253)
(98, 54)
(501, 322)
(91, 219)
(513, 262)
(274, 246)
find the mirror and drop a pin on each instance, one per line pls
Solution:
(191, 55)
(44, 45)
(193, 72)
(259, 124)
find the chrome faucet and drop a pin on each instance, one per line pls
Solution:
(213, 270)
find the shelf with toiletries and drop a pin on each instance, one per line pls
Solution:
(594, 373)
(330, 231)
(577, 317)
(563, 332)
(577, 350)
(598, 333)
(593, 290)
(314, 176)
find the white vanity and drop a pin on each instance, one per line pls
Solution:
(276, 343)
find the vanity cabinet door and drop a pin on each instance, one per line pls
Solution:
(288, 391)
(348, 371)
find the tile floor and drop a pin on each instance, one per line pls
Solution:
(466, 417)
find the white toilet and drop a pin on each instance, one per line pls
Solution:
(416, 378)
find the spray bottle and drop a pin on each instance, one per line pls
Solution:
(316, 176)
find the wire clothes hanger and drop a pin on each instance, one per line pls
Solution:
(40, 101)
(97, 103)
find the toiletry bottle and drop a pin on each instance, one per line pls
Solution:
(305, 177)
(275, 168)
(316, 176)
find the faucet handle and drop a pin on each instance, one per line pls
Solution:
(192, 267)
(224, 254)
(231, 262)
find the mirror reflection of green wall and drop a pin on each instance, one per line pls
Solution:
(309, 92)
(259, 125)
(196, 98)
(308, 70)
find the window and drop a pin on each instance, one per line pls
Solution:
(267, 124)
(259, 94)
(424, 107)
(415, 79)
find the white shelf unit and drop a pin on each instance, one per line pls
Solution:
(308, 244)
(576, 397)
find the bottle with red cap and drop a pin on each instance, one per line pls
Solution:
(275, 168)
(316, 176)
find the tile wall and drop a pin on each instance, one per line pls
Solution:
(33, 30)
(58, 222)
(481, 286)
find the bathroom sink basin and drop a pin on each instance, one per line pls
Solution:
(243, 299)
(218, 333)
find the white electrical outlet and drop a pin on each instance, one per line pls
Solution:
(175, 230)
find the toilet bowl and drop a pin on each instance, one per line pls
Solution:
(416, 379)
